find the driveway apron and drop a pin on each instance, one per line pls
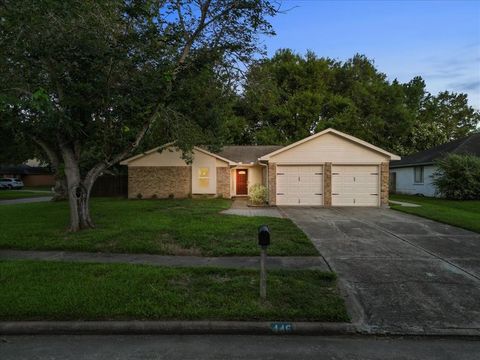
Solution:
(401, 273)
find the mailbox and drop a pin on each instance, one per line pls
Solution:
(263, 236)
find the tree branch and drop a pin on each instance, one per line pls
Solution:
(51, 154)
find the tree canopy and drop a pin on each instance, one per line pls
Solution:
(289, 97)
(88, 80)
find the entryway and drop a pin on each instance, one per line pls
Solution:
(242, 182)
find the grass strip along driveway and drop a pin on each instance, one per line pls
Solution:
(464, 214)
(31, 290)
(166, 227)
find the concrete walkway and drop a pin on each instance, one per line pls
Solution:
(26, 200)
(240, 207)
(403, 203)
(241, 262)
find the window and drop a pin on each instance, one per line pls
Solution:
(203, 177)
(418, 174)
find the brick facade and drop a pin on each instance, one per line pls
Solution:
(272, 184)
(223, 182)
(159, 181)
(384, 178)
(327, 184)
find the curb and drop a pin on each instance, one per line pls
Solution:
(137, 327)
(174, 327)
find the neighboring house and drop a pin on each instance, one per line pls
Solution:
(30, 175)
(414, 174)
(329, 168)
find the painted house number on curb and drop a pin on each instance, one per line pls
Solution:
(281, 327)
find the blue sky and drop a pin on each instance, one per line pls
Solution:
(438, 40)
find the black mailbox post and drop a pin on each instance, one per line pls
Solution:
(263, 242)
(263, 236)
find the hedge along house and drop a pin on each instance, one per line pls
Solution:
(329, 168)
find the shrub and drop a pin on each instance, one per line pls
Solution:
(458, 177)
(258, 194)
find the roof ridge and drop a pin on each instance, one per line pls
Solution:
(466, 140)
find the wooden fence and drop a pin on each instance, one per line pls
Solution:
(111, 185)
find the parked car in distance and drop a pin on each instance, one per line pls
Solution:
(8, 183)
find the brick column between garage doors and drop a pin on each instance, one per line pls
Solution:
(327, 185)
(384, 173)
(272, 184)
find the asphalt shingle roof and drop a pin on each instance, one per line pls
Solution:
(248, 153)
(467, 145)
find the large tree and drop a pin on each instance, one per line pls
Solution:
(88, 80)
(290, 96)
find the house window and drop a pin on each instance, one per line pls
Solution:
(418, 174)
(203, 177)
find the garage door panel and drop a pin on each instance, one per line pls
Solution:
(355, 185)
(300, 185)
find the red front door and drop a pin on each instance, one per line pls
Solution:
(242, 182)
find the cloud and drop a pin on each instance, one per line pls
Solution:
(467, 85)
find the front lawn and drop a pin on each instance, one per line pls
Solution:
(31, 290)
(464, 214)
(16, 194)
(173, 226)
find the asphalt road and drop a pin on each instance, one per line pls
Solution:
(233, 347)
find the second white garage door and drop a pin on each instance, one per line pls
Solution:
(300, 185)
(355, 185)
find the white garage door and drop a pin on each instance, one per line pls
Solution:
(300, 185)
(355, 186)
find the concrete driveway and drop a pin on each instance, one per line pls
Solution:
(400, 273)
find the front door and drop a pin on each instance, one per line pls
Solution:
(242, 182)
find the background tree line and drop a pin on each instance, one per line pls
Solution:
(288, 97)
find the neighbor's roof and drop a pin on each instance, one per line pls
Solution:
(467, 145)
(247, 153)
(23, 170)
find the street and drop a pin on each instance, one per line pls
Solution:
(233, 347)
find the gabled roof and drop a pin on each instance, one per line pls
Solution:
(126, 161)
(336, 132)
(248, 153)
(467, 145)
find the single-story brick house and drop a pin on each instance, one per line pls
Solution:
(329, 168)
(30, 175)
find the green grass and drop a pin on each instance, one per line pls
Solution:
(16, 194)
(176, 227)
(464, 214)
(31, 290)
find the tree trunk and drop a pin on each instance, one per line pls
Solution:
(78, 192)
(60, 188)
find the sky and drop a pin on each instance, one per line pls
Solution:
(437, 40)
